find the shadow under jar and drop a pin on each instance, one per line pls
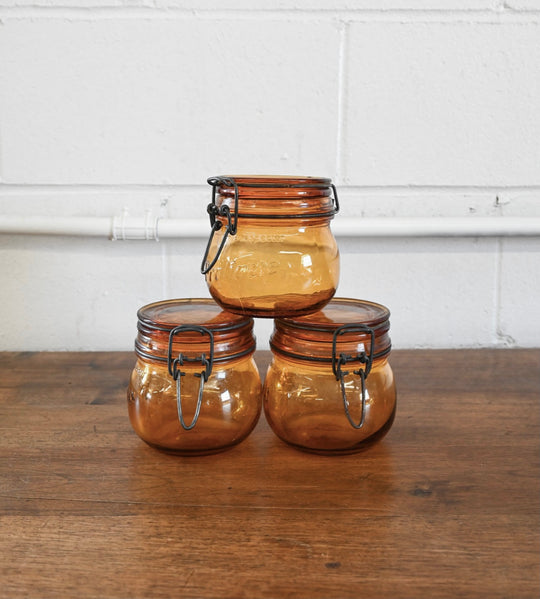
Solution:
(271, 252)
(195, 388)
(329, 388)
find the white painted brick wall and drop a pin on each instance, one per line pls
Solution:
(166, 100)
(413, 107)
(443, 103)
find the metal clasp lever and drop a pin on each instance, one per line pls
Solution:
(177, 374)
(364, 358)
(214, 211)
(335, 198)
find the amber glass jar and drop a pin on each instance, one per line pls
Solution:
(195, 388)
(330, 388)
(271, 252)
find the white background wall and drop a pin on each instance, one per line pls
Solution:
(413, 107)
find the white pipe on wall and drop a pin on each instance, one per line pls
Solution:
(152, 228)
(438, 227)
(58, 225)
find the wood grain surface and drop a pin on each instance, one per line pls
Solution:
(447, 505)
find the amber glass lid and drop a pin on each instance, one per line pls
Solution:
(341, 311)
(313, 334)
(267, 196)
(232, 333)
(167, 314)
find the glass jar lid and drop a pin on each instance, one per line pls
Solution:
(344, 326)
(191, 327)
(267, 196)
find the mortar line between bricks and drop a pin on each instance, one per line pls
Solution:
(498, 337)
(67, 188)
(341, 100)
(88, 13)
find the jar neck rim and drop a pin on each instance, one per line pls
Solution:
(295, 325)
(147, 355)
(323, 217)
(321, 359)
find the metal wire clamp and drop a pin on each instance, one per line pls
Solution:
(177, 374)
(365, 358)
(224, 211)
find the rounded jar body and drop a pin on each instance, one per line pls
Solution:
(272, 252)
(195, 388)
(330, 388)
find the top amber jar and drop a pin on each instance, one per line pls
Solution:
(271, 252)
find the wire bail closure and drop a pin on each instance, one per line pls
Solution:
(177, 374)
(214, 211)
(362, 357)
(335, 199)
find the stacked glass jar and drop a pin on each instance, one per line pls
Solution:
(329, 388)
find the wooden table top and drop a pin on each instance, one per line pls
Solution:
(447, 505)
